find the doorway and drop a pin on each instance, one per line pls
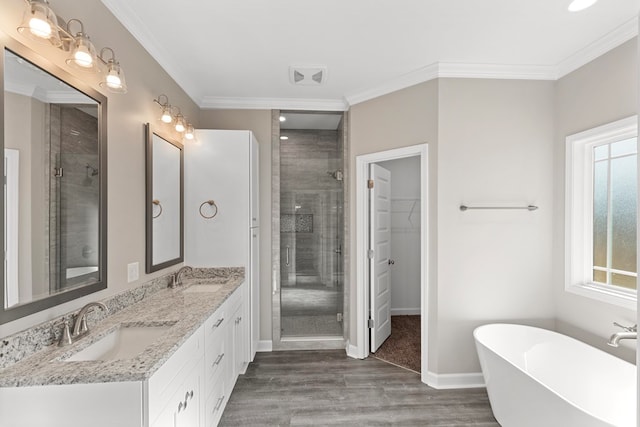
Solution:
(401, 208)
(308, 299)
(364, 270)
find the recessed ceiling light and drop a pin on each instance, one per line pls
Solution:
(577, 5)
(283, 119)
(284, 138)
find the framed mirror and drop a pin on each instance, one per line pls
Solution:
(164, 201)
(54, 208)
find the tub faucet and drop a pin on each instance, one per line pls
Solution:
(176, 278)
(80, 327)
(629, 332)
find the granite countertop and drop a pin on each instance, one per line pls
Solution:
(184, 310)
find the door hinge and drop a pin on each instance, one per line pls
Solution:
(370, 323)
(58, 172)
(370, 184)
(370, 253)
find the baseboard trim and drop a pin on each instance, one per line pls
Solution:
(447, 381)
(264, 346)
(352, 351)
(405, 311)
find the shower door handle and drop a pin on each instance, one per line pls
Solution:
(287, 257)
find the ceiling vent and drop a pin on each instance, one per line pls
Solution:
(308, 76)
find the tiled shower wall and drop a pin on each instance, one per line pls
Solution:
(74, 147)
(311, 206)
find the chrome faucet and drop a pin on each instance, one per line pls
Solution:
(176, 278)
(80, 327)
(629, 332)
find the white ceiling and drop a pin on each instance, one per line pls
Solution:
(237, 53)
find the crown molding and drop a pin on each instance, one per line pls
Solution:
(418, 76)
(136, 26)
(214, 102)
(456, 70)
(604, 44)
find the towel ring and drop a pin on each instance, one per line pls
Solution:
(157, 203)
(210, 203)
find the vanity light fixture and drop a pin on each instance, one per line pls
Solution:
(41, 23)
(180, 122)
(182, 125)
(82, 53)
(114, 77)
(190, 132)
(578, 5)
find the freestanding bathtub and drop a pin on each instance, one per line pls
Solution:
(537, 377)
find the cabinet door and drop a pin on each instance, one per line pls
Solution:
(183, 408)
(239, 344)
(254, 174)
(254, 293)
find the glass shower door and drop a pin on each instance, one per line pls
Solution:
(311, 198)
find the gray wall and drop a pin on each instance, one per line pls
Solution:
(602, 91)
(495, 147)
(126, 115)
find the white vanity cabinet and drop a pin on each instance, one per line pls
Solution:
(191, 388)
(175, 390)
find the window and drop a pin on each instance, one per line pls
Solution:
(601, 213)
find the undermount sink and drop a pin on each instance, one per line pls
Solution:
(202, 288)
(124, 342)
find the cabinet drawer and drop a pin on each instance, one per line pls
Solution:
(215, 325)
(216, 401)
(216, 357)
(165, 382)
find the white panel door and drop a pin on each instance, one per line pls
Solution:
(380, 245)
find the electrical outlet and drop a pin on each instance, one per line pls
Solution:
(133, 272)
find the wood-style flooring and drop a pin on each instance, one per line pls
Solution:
(318, 388)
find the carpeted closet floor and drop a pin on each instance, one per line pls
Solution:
(402, 348)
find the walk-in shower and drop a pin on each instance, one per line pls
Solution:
(309, 297)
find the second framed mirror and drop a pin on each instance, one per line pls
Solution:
(164, 201)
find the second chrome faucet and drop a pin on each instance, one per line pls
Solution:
(80, 327)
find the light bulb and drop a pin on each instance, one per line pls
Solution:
(113, 80)
(82, 57)
(179, 123)
(40, 27)
(283, 119)
(189, 132)
(166, 114)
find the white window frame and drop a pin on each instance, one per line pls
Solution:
(579, 212)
